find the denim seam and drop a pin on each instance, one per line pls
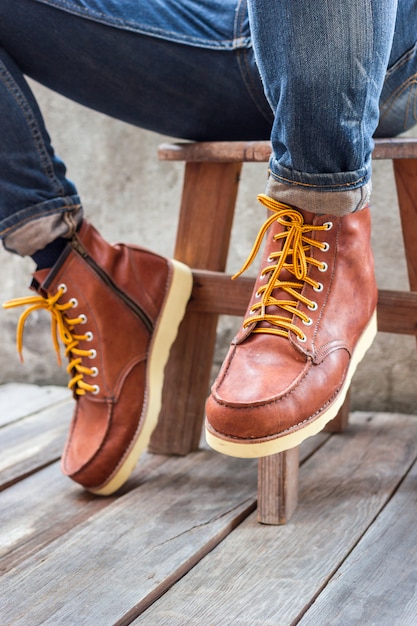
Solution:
(387, 104)
(401, 61)
(35, 216)
(238, 25)
(33, 127)
(266, 111)
(245, 72)
(103, 18)
(394, 97)
(295, 183)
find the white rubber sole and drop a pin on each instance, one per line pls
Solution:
(250, 449)
(163, 338)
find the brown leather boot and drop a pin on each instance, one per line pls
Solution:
(309, 323)
(117, 310)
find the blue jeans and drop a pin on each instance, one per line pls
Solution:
(323, 74)
(187, 68)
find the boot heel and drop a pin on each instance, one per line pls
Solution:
(165, 333)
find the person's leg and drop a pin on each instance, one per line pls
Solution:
(207, 91)
(33, 181)
(312, 315)
(398, 110)
(323, 70)
(116, 309)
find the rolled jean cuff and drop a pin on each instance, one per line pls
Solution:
(31, 230)
(336, 203)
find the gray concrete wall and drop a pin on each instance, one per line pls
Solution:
(132, 197)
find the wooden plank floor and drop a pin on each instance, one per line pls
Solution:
(180, 543)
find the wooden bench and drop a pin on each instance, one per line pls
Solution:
(211, 179)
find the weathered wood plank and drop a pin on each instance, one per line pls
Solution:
(46, 505)
(260, 151)
(33, 442)
(112, 566)
(377, 582)
(169, 514)
(269, 575)
(36, 511)
(19, 400)
(27, 508)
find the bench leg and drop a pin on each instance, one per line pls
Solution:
(340, 422)
(278, 487)
(278, 477)
(206, 216)
(405, 171)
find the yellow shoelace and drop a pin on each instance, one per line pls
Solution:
(292, 257)
(62, 327)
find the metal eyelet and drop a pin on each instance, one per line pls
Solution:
(328, 225)
(94, 372)
(93, 354)
(83, 319)
(308, 322)
(326, 247)
(96, 390)
(89, 336)
(63, 287)
(318, 288)
(302, 339)
(74, 302)
(324, 267)
(257, 294)
(313, 306)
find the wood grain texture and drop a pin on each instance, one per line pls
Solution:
(278, 487)
(180, 543)
(405, 171)
(38, 510)
(266, 575)
(117, 562)
(33, 442)
(260, 151)
(19, 400)
(123, 551)
(377, 582)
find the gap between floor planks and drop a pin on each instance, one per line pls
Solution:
(377, 584)
(18, 400)
(162, 504)
(33, 425)
(271, 576)
(47, 522)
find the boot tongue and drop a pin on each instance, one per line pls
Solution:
(42, 278)
(38, 279)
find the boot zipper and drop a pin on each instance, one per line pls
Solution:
(78, 247)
